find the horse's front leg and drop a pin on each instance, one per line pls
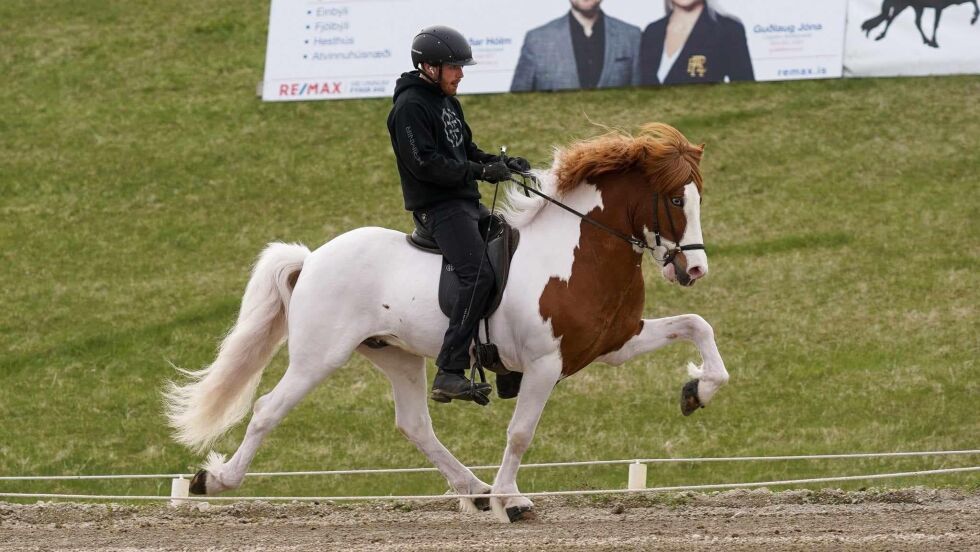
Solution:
(539, 380)
(656, 333)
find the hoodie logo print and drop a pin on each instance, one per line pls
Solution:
(454, 128)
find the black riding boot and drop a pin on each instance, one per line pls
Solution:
(450, 385)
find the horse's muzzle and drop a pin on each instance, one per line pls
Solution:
(680, 273)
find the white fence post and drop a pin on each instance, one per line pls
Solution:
(179, 489)
(637, 476)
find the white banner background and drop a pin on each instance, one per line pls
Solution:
(332, 49)
(902, 50)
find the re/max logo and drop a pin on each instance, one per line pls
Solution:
(307, 89)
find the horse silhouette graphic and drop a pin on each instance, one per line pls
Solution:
(891, 8)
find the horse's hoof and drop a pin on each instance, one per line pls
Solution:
(199, 484)
(521, 513)
(689, 398)
(482, 504)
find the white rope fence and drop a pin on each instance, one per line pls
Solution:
(636, 480)
(401, 498)
(376, 471)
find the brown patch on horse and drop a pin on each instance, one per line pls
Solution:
(599, 308)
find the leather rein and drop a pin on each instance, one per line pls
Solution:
(632, 240)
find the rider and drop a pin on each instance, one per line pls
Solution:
(439, 165)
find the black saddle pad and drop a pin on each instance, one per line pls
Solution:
(503, 243)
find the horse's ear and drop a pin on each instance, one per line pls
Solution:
(701, 147)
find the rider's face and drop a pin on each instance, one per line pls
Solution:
(451, 75)
(448, 79)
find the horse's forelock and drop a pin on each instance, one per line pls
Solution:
(659, 150)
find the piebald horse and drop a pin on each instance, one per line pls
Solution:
(576, 297)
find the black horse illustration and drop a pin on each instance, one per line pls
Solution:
(891, 8)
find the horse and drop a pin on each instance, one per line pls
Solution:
(579, 299)
(891, 8)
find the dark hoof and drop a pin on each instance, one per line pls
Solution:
(689, 398)
(199, 484)
(521, 513)
(482, 504)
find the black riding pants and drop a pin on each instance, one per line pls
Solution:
(454, 225)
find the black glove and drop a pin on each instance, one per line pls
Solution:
(495, 172)
(518, 164)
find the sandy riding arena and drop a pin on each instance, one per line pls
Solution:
(909, 519)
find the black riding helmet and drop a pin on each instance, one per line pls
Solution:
(439, 45)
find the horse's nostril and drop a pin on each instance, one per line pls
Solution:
(695, 272)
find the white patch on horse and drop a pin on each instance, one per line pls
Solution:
(692, 233)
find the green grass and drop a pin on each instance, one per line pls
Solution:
(140, 176)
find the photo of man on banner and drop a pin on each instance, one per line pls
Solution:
(694, 43)
(584, 48)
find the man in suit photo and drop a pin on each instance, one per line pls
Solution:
(584, 48)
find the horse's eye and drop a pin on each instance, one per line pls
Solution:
(677, 201)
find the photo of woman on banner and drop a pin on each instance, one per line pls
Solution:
(694, 43)
(584, 48)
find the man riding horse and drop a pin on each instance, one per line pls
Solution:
(439, 164)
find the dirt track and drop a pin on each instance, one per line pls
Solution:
(911, 519)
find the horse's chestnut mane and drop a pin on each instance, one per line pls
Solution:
(663, 154)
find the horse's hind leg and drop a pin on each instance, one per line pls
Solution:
(408, 384)
(306, 370)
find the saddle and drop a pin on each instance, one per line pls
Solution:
(502, 244)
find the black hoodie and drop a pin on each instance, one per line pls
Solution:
(437, 159)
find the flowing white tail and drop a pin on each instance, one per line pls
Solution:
(220, 395)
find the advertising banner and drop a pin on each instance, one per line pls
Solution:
(912, 37)
(333, 49)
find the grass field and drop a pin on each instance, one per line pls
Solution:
(140, 176)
